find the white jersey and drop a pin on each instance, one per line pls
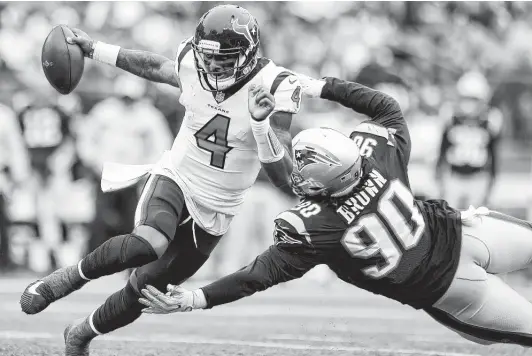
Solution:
(214, 156)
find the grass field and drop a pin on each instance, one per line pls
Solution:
(298, 318)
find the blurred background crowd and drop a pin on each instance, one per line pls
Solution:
(53, 211)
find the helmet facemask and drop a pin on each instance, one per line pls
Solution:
(231, 65)
(337, 187)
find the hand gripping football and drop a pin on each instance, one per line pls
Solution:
(62, 62)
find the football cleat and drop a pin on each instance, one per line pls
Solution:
(40, 294)
(75, 343)
(36, 297)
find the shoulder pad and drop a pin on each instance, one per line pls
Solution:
(290, 229)
(285, 87)
(372, 128)
(375, 129)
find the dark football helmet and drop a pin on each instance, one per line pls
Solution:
(225, 46)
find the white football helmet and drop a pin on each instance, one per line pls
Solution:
(326, 163)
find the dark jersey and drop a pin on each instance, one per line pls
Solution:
(378, 238)
(44, 129)
(469, 144)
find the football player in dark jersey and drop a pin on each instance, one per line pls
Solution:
(45, 128)
(358, 216)
(469, 145)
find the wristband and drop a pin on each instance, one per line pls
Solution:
(105, 53)
(198, 299)
(269, 147)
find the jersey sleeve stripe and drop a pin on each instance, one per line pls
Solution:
(182, 54)
(294, 220)
(277, 81)
(370, 128)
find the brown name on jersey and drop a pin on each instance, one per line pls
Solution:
(354, 206)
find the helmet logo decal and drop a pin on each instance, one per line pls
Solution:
(309, 155)
(244, 29)
(220, 96)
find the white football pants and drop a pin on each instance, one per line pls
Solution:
(479, 305)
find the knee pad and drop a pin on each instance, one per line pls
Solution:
(117, 254)
(136, 251)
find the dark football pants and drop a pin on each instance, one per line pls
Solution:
(162, 207)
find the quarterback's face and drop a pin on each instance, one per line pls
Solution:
(220, 66)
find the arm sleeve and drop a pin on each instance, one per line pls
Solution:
(183, 48)
(379, 106)
(272, 267)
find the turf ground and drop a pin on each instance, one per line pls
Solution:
(298, 318)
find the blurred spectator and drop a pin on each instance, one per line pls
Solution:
(49, 141)
(124, 128)
(14, 173)
(469, 152)
(415, 51)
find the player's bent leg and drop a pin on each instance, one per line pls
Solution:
(158, 214)
(189, 250)
(508, 241)
(486, 312)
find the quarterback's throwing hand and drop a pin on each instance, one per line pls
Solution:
(178, 299)
(260, 102)
(83, 40)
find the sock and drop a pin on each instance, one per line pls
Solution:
(82, 332)
(119, 310)
(117, 254)
(64, 281)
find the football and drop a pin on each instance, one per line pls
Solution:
(62, 62)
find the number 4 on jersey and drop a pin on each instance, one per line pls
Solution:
(217, 128)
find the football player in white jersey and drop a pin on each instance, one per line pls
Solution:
(239, 108)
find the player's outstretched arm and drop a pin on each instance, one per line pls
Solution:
(379, 106)
(147, 65)
(272, 133)
(272, 267)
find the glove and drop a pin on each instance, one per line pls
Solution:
(260, 102)
(311, 87)
(177, 299)
(473, 216)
